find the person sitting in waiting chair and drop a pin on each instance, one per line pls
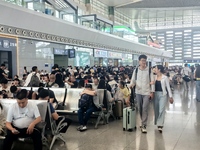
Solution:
(88, 94)
(44, 95)
(21, 120)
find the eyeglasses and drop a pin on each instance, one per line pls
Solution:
(143, 60)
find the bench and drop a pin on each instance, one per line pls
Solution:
(71, 101)
(42, 106)
(71, 105)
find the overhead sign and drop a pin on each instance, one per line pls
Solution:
(100, 53)
(114, 55)
(7, 43)
(60, 51)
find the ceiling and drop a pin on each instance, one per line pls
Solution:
(118, 3)
(143, 8)
(151, 3)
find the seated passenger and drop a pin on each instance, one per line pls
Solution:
(84, 113)
(16, 82)
(51, 82)
(44, 95)
(123, 93)
(5, 88)
(2, 119)
(52, 98)
(81, 83)
(72, 82)
(21, 120)
(31, 94)
(96, 82)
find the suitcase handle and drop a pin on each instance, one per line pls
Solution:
(128, 117)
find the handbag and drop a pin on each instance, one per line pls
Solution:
(186, 78)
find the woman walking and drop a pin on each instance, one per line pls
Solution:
(162, 88)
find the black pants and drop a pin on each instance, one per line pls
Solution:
(67, 120)
(10, 138)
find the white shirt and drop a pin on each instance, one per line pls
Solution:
(186, 71)
(22, 117)
(28, 79)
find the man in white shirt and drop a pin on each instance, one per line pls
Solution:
(186, 71)
(21, 120)
(34, 71)
(143, 80)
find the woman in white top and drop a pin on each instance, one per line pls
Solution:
(160, 97)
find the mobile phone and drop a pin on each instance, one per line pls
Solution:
(16, 131)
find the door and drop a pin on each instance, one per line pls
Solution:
(6, 58)
(61, 60)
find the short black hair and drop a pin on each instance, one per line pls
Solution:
(34, 68)
(43, 93)
(186, 65)
(122, 83)
(13, 89)
(4, 81)
(22, 94)
(88, 86)
(3, 65)
(102, 78)
(55, 66)
(17, 80)
(142, 56)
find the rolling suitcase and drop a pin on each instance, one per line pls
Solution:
(118, 109)
(129, 114)
(129, 119)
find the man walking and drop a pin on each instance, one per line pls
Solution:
(143, 81)
(186, 71)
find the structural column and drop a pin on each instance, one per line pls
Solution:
(88, 6)
(111, 13)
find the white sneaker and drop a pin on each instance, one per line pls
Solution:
(79, 127)
(84, 128)
(160, 129)
(143, 129)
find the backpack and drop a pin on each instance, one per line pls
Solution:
(85, 101)
(35, 82)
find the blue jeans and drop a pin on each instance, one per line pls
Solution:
(160, 102)
(84, 119)
(198, 90)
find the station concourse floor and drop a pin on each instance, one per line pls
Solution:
(181, 130)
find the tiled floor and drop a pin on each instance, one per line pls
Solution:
(181, 130)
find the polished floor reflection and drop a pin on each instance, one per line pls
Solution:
(181, 130)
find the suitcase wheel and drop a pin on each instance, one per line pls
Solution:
(135, 128)
(123, 129)
(130, 130)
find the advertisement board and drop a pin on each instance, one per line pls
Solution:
(82, 58)
(100, 53)
(114, 55)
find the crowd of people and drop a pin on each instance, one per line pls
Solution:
(151, 85)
